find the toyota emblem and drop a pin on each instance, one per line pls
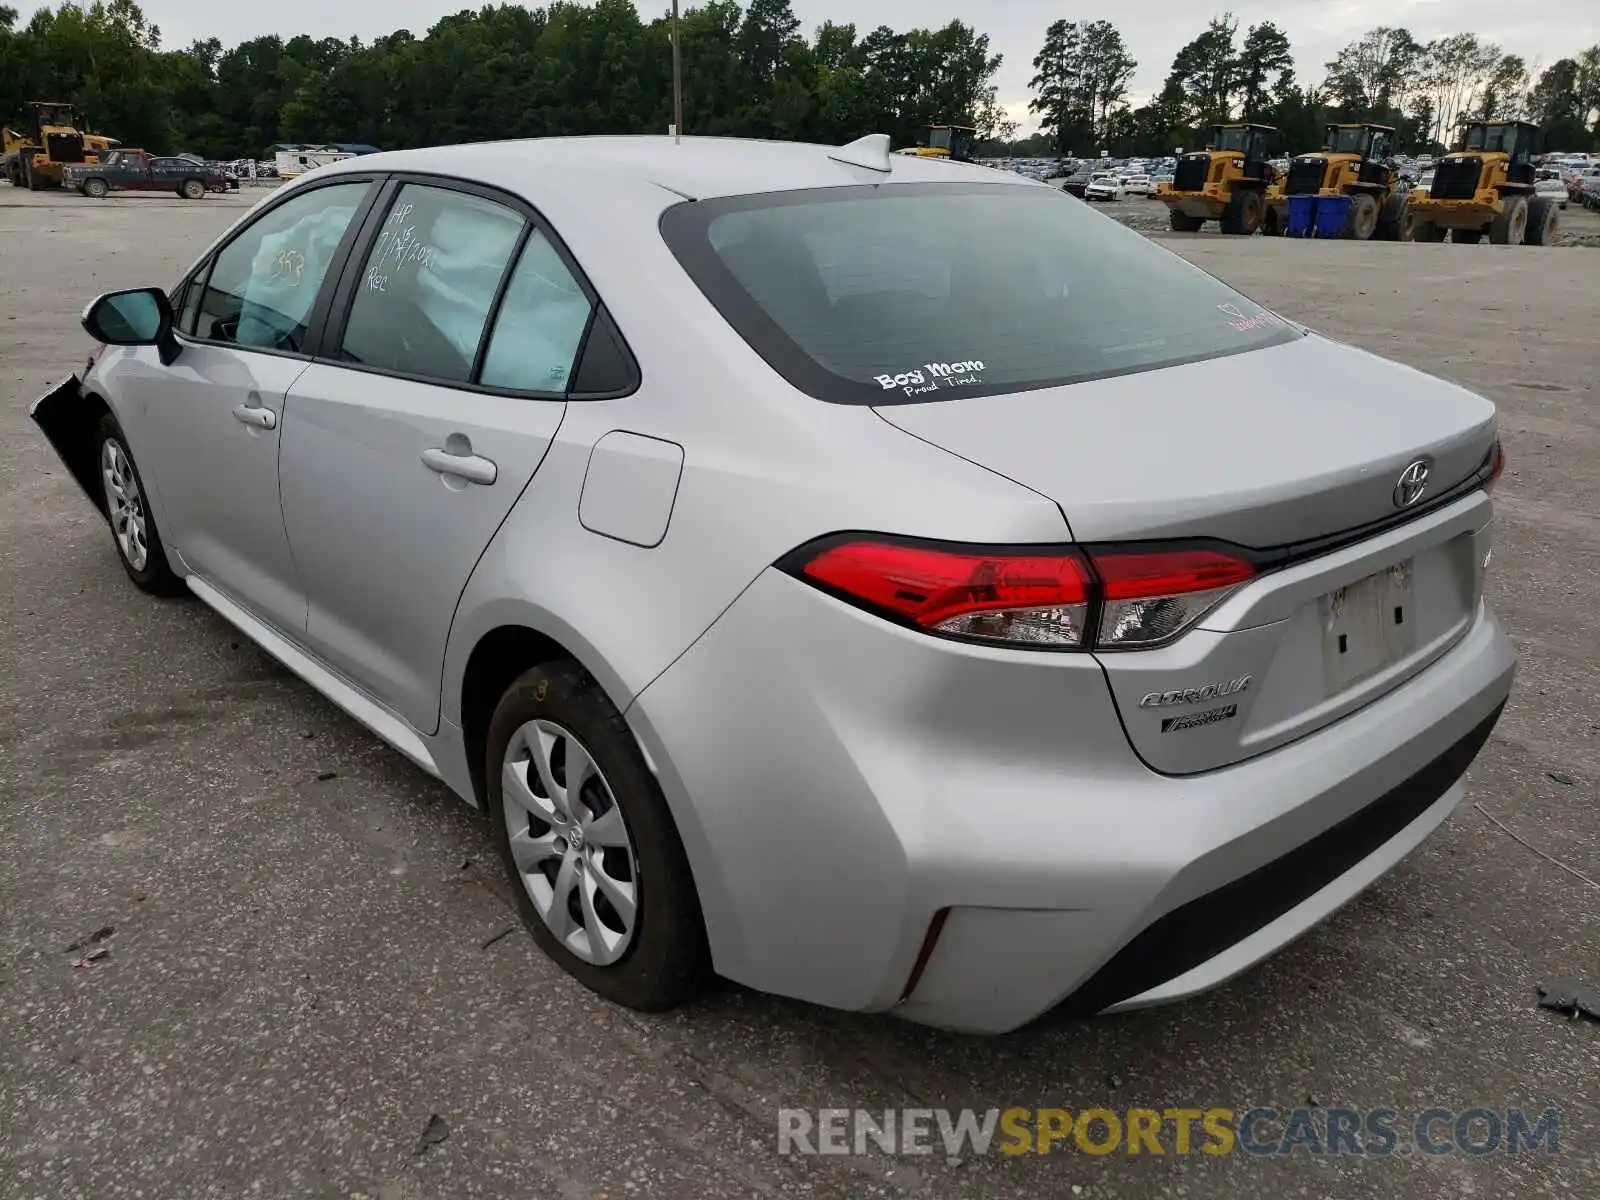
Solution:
(1413, 482)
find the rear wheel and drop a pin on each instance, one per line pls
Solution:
(1243, 215)
(1543, 222)
(192, 189)
(600, 874)
(1511, 226)
(1427, 231)
(1466, 237)
(1396, 224)
(1363, 220)
(95, 189)
(1183, 222)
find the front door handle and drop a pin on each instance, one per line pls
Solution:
(261, 418)
(474, 468)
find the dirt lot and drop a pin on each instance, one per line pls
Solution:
(304, 966)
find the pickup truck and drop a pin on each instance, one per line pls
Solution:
(139, 170)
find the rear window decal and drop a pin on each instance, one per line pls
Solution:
(931, 376)
(1244, 324)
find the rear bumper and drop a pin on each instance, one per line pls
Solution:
(840, 782)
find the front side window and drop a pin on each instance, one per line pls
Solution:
(266, 280)
(540, 324)
(429, 282)
(881, 295)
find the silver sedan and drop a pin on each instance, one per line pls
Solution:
(880, 581)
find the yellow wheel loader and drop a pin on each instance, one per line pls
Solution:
(34, 156)
(1354, 162)
(1230, 182)
(945, 141)
(1486, 187)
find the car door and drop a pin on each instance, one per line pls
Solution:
(406, 444)
(213, 417)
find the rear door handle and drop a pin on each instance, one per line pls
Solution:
(261, 418)
(474, 468)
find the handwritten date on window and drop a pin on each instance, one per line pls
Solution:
(398, 247)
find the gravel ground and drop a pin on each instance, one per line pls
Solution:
(305, 967)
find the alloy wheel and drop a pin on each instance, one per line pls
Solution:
(569, 842)
(125, 504)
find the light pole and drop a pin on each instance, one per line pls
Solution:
(677, 78)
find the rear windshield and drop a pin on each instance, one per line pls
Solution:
(919, 292)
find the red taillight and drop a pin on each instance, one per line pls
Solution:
(1497, 465)
(1038, 599)
(1144, 598)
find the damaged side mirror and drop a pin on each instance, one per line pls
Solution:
(139, 317)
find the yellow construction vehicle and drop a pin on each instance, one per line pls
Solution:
(34, 156)
(945, 141)
(1486, 186)
(1230, 182)
(1354, 162)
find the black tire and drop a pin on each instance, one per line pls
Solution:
(666, 961)
(1466, 237)
(155, 575)
(31, 177)
(1243, 214)
(1427, 231)
(1510, 226)
(192, 189)
(1183, 223)
(1272, 223)
(1396, 224)
(1544, 221)
(95, 189)
(1362, 222)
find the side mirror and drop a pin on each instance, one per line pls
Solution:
(141, 317)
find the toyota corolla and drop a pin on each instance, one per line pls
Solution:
(878, 581)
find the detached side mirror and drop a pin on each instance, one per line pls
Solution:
(140, 317)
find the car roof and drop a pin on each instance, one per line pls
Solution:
(693, 167)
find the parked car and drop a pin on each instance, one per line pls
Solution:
(650, 520)
(141, 171)
(1077, 183)
(1140, 185)
(1552, 186)
(1105, 186)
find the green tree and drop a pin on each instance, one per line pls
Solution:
(1264, 56)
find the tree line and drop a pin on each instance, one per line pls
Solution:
(748, 70)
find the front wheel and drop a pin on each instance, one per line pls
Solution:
(1511, 226)
(1544, 225)
(600, 875)
(1243, 214)
(1363, 220)
(133, 525)
(192, 189)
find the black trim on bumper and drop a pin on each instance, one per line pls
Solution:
(1207, 925)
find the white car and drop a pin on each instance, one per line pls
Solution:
(1141, 185)
(1106, 187)
(1552, 186)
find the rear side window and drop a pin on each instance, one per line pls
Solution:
(907, 293)
(429, 283)
(540, 324)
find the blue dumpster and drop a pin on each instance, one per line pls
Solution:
(1302, 211)
(1333, 214)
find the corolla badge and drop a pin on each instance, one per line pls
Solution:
(1413, 482)
(1196, 695)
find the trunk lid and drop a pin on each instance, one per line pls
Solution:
(1268, 449)
(1275, 446)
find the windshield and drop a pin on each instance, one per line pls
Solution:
(1346, 141)
(1492, 138)
(885, 294)
(939, 139)
(1230, 139)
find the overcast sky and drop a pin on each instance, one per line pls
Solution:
(1539, 31)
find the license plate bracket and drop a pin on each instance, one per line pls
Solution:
(1367, 626)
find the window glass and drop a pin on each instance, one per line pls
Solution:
(429, 283)
(265, 281)
(541, 322)
(883, 295)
